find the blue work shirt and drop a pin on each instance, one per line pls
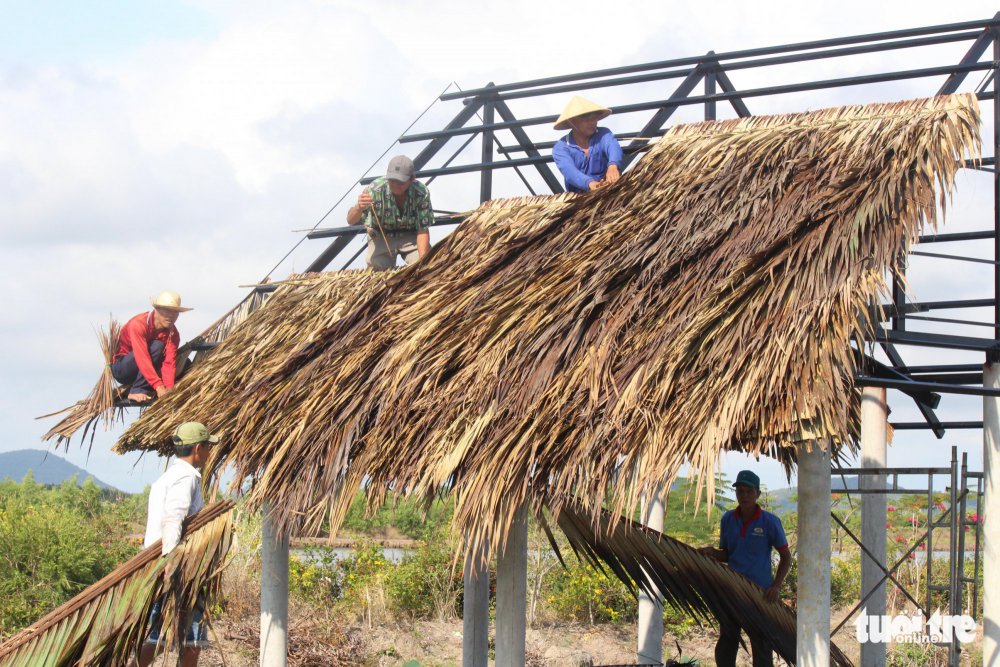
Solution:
(579, 168)
(749, 544)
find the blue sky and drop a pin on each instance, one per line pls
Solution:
(148, 146)
(62, 33)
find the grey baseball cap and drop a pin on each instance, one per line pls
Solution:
(400, 169)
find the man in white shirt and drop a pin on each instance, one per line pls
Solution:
(172, 498)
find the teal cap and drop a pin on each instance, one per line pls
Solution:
(749, 478)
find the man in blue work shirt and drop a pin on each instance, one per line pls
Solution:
(746, 536)
(589, 156)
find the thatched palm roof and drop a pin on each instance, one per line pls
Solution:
(705, 302)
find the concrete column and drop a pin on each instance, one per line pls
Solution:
(273, 594)
(512, 593)
(476, 609)
(813, 617)
(649, 643)
(874, 416)
(991, 517)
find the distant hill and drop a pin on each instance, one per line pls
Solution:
(47, 467)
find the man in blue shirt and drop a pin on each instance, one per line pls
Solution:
(589, 156)
(746, 536)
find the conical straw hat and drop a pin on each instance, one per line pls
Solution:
(578, 106)
(169, 300)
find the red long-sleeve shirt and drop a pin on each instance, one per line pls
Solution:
(136, 336)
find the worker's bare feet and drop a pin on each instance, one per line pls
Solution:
(139, 398)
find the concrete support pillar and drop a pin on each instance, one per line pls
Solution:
(512, 593)
(813, 617)
(273, 594)
(476, 609)
(874, 420)
(649, 643)
(991, 516)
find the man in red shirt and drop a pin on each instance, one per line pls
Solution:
(146, 358)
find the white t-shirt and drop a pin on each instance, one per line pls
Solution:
(174, 496)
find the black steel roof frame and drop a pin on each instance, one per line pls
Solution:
(710, 70)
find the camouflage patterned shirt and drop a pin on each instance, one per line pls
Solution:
(416, 214)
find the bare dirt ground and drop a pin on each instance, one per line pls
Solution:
(327, 642)
(319, 638)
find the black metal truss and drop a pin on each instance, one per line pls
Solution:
(705, 80)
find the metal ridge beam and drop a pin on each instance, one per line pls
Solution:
(724, 96)
(742, 64)
(730, 55)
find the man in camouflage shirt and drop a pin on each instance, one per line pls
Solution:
(396, 211)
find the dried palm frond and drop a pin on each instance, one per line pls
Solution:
(86, 413)
(100, 405)
(641, 557)
(299, 309)
(706, 301)
(107, 623)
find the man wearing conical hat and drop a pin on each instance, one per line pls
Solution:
(589, 156)
(146, 358)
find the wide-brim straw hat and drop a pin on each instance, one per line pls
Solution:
(170, 301)
(578, 106)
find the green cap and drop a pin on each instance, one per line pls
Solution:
(191, 433)
(749, 478)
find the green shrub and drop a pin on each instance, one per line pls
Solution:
(426, 584)
(678, 623)
(54, 542)
(845, 579)
(315, 576)
(583, 593)
(410, 516)
(361, 578)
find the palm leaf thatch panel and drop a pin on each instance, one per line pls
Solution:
(709, 591)
(298, 310)
(704, 302)
(103, 403)
(107, 623)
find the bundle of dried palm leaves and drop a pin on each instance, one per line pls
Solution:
(100, 405)
(699, 586)
(704, 302)
(107, 623)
